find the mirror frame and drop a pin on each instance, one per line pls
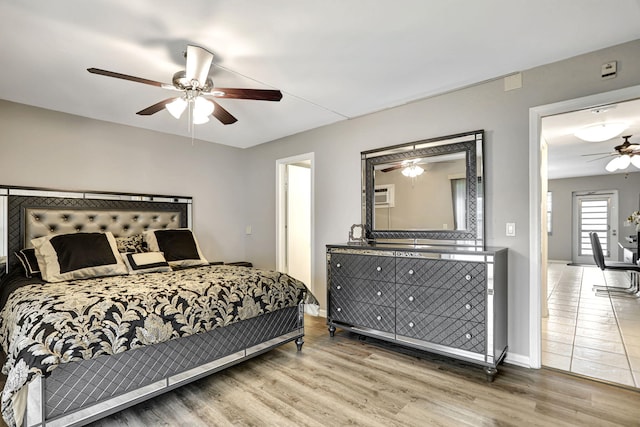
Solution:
(471, 143)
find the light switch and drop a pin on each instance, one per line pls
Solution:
(511, 229)
(248, 230)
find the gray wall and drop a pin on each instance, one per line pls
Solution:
(43, 148)
(505, 118)
(628, 186)
(48, 149)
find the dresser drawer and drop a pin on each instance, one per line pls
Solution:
(363, 266)
(362, 290)
(454, 303)
(442, 330)
(440, 273)
(362, 314)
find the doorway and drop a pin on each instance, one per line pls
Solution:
(294, 194)
(538, 184)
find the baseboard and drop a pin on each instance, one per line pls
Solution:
(559, 261)
(322, 313)
(518, 359)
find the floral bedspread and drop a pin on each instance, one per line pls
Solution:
(45, 324)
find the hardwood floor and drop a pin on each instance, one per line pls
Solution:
(350, 381)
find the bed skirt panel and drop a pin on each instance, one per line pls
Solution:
(74, 386)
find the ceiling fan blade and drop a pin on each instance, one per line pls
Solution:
(222, 115)
(126, 77)
(198, 64)
(597, 154)
(600, 158)
(257, 94)
(392, 168)
(155, 107)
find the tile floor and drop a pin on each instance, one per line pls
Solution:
(596, 335)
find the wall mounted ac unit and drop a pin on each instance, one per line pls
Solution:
(384, 195)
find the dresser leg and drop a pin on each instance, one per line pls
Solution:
(491, 373)
(299, 343)
(332, 330)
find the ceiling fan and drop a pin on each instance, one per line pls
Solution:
(401, 165)
(196, 89)
(625, 154)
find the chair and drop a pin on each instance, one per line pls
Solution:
(598, 257)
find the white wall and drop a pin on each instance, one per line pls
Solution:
(505, 118)
(42, 148)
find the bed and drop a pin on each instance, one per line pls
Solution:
(87, 338)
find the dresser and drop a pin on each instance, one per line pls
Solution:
(444, 300)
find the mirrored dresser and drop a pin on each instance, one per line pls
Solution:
(421, 274)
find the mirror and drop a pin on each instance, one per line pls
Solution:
(425, 190)
(3, 230)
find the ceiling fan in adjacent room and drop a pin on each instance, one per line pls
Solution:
(196, 89)
(624, 154)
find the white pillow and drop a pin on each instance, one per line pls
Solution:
(145, 262)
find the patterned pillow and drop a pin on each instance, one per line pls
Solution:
(134, 243)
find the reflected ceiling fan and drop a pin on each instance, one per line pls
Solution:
(401, 165)
(625, 154)
(196, 89)
(410, 168)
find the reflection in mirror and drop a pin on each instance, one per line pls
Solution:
(425, 191)
(421, 194)
(3, 231)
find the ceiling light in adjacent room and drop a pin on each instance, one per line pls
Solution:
(601, 132)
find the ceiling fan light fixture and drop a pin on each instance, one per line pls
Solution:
(199, 120)
(600, 132)
(612, 166)
(202, 107)
(176, 107)
(624, 161)
(635, 161)
(412, 171)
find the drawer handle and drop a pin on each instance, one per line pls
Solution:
(379, 317)
(338, 265)
(468, 277)
(411, 325)
(379, 293)
(411, 272)
(338, 287)
(339, 309)
(468, 336)
(411, 298)
(467, 306)
(379, 269)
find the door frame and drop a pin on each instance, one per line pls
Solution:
(281, 209)
(535, 199)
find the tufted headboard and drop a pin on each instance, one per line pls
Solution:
(34, 216)
(46, 221)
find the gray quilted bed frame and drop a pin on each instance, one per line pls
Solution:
(80, 392)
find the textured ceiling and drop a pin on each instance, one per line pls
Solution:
(333, 60)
